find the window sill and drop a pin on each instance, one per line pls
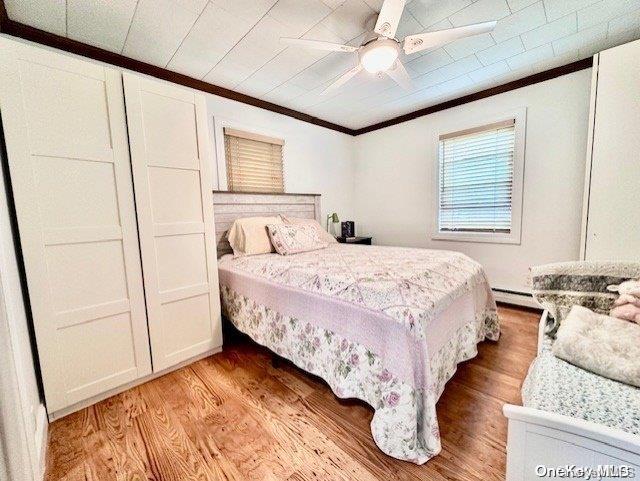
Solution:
(477, 237)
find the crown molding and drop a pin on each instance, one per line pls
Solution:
(515, 84)
(26, 32)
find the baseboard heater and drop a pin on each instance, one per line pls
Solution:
(515, 297)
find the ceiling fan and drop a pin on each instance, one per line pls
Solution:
(379, 55)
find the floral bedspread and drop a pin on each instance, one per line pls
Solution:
(382, 324)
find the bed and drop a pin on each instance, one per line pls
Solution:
(386, 325)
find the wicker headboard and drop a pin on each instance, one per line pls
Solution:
(229, 206)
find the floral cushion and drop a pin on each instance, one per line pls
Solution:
(294, 238)
(301, 220)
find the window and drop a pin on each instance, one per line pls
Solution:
(254, 162)
(480, 183)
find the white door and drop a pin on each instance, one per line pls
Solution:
(65, 131)
(169, 142)
(613, 223)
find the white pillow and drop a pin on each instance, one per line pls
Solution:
(249, 236)
(601, 344)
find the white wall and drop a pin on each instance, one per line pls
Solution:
(395, 168)
(316, 160)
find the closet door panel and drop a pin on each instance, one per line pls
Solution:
(613, 225)
(171, 168)
(66, 139)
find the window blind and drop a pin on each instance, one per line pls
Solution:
(254, 162)
(476, 179)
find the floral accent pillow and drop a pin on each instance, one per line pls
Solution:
(300, 220)
(294, 238)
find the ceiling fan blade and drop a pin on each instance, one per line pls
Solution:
(389, 17)
(343, 79)
(319, 45)
(400, 75)
(422, 41)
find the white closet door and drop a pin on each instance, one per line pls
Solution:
(66, 139)
(169, 142)
(613, 223)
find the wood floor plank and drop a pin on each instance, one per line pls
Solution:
(299, 439)
(234, 417)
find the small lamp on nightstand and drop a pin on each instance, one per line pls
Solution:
(333, 218)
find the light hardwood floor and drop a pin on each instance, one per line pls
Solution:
(233, 416)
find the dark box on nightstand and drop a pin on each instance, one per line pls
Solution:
(348, 229)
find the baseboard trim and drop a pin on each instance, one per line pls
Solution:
(102, 396)
(516, 298)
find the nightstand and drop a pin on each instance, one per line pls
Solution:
(355, 240)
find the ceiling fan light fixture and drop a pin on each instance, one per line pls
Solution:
(379, 56)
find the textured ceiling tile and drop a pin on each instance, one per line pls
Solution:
(380, 98)
(559, 8)
(213, 35)
(255, 50)
(251, 10)
(227, 78)
(47, 15)
(429, 12)
(530, 57)
(196, 6)
(366, 86)
(299, 15)
(467, 46)
(414, 101)
(350, 19)
(625, 28)
(454, 85)
(516, 5)
(157, 30)
(408, 25)
(551, 31)
(495, 70)
(376, 5)
(501, 51)
(320, 32)
(324, 70)
(103, 25)
(441, 25)
(605, 11)
(333, 4)
(582, 43)
(448, 72)
(284, 66)
(520, 22)
(284, 93)
(481, 11)
(429, 61)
